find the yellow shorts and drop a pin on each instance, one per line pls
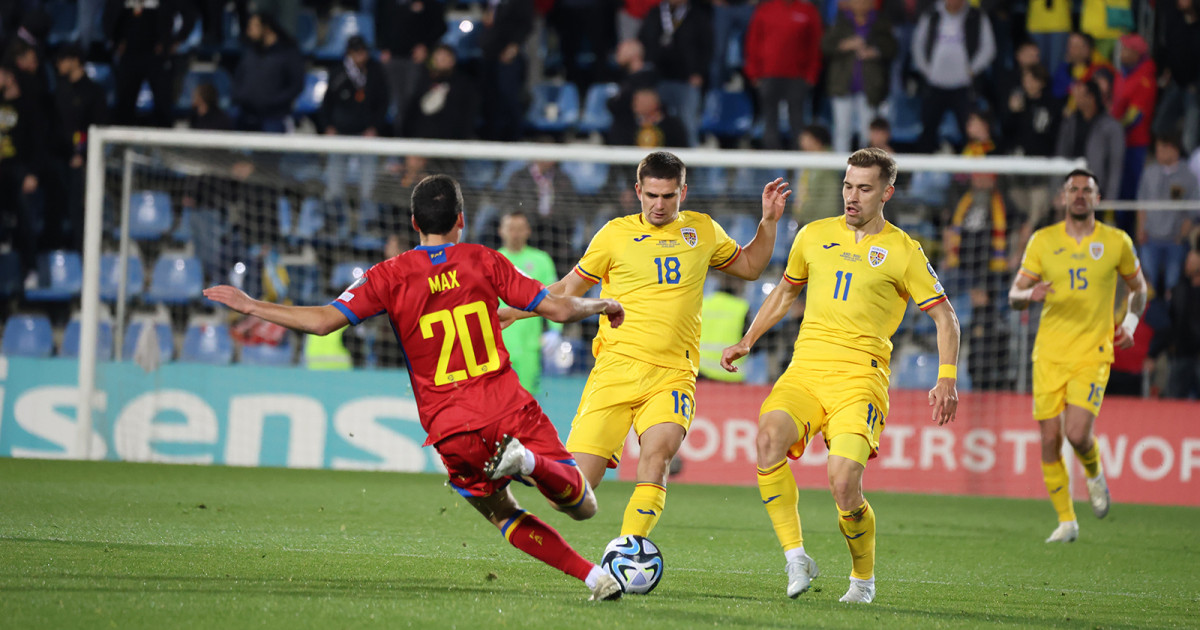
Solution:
(832, 402)
(623, 392)
(1056, 385)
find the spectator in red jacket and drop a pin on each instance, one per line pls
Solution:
(1135, 90)
(783, 61)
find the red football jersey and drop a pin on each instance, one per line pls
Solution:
(442, 303)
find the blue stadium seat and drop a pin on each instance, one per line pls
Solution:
(905, 117)
(553, 107)
(342, 27)
(27, 336)
(479, 173)
(207, 343)
(784, 237)
(102, 74)
(916, 370)
(231, 34)
(344, 274)
(587, 178)
(64, 18)
(596, 117)
(60, 277)
(707, 181)
(507, 170)
(748, 182)
(309, 101)
(739, 227)
(10, 274)
(150, 215)
(929, 188)
(304, 284)
(311, 220)
(166, 340)
(727, 114)
(306, 31)
(175, 280)
(104, 340)
(194, 39)
(219, 79)
(110, 277)
(463, 37)
(263, 354)
(756, 292)
(481, 224)
(755, 369)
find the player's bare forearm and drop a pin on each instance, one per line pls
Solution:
(569, 308)
(313, 320)
(757, 253)
(944, 395)
(948, 332)
(1138, 293)
(774, 308)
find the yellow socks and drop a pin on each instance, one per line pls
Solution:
(780, 496)
(644, 509)
(1058, 484)
(858, 526)
(1090, 460)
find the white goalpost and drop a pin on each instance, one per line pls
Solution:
(295, 176)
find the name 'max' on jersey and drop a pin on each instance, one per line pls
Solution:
(1077, 318)
(657, 273)
(857, 292)
(442, 303)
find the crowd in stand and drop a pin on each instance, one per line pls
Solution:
(1072, 78)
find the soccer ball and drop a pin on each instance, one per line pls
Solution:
(635, 562)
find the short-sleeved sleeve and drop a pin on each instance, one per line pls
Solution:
(361, 300)
(512, 286)
(1031, 263)
(1128, 265)
(594, 265)
(921, 281)
(725, 250)
(796, 271)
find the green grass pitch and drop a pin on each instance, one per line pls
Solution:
(104, 545)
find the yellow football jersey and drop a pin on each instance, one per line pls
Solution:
(1077, 318)
(857, 292)
(657, 274)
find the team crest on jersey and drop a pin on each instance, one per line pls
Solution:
(876, 256)
(689, 236)
(1096, 250)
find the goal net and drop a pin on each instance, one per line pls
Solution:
(296, 219)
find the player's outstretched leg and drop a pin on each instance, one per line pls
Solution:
(660, 442)
(847, 456)
(563, 484)
(779, 495)
(529, 534)
(1058, 482)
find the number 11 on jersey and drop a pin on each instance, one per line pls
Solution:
(847, 275)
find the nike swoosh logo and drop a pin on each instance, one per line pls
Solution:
(830, 245)
(648, 512)
(641, 238)
(858, 535)
(770, 499)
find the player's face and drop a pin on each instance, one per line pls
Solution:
(514, 232)
(660, 199)
(864, 192)
(1081, 195)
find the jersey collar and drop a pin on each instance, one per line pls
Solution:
(437, 253)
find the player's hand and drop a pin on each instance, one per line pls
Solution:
(234, 298)
(615, 312)
(774, 199)
(1122, 339)
(1039, 292)
(507, 315)
(733, 353)
(944, 400)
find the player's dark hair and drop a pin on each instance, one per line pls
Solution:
(1084, 172)
(820, 133)
(872, 156)
(662, 165)
(436, 203)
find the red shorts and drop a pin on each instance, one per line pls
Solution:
(465, 454)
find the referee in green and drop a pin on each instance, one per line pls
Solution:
(524, 338)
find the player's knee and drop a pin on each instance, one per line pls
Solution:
(847, 492)
(581, 511)
(771, 445)
(1080, 439)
